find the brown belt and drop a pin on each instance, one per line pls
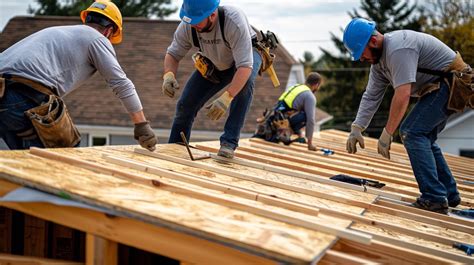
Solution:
(33, 84)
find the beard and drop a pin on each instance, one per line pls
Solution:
(207, 28)
(377, 54)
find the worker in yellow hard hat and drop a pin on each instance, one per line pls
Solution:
(96, 13)
(47, 65)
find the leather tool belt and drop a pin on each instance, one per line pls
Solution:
(205, 67)
(51, 119)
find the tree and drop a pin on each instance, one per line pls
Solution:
(346, 80)
(135, 8)
(307, 62)
(452, 21)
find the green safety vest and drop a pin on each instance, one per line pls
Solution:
(289, 96)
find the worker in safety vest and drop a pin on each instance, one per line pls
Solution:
(299, 104)
(226, 61)
(47, 65)
(295, 109)
(415, 65)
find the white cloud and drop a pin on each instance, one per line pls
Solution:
(303, 25)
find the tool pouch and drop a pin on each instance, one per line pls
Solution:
(460, 79)
(267, 57)
(53, 124)
(461, 94)
(2, 87)
(205, 67)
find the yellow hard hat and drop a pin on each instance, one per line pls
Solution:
(110, 10)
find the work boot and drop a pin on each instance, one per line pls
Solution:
(439, 207)
(454, 202)
(226, 151)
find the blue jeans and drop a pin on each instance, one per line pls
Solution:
(199, 90)
(298, 121)
(13, 121)
(419, 132)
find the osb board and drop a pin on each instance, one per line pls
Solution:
(461, 164)
(406, 238)
(423, 227)
(180, 152)
(173, 211)
(467, 195)
(324, 172)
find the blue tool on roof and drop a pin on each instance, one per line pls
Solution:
(467, 182)
(469, 249)
(466, 213)
(327, 152)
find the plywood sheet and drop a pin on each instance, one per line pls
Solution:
(175, 211)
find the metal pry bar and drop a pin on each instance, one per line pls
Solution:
(185, 141)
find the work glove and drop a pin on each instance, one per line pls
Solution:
(311, 147)
(354, 138)
(383, 146)
(145, 135)
(219, 106)
(170, 85)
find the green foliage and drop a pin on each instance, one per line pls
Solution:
(452, 21)
(135, 8)
(346, 80)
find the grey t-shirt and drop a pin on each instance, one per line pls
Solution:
(238, 33)
(306, 101)
(403, 52)
(64, 57)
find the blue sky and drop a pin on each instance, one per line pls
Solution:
(303, 25)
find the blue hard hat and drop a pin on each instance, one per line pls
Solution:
(357, 35)
(195, 11)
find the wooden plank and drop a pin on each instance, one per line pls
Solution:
(8, 259)
(398, 151)
(439, 216)
(300, 152)
(249, 157)
(339, 155)
(322, 161)
(336, 213)
(176, 212)
(352, 168)
(324, 168)
(313, 177)
(336, 257)
(100, 251)
(215, 185)
(384, 253)
(152, 238)
(343, 233)
(353, 217)
(7, 187)
(387, 238)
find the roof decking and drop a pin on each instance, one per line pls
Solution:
(271, 203)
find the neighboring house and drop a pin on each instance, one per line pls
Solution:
(457, 138)
(100, 116)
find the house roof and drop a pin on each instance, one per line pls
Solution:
(458, 118)
(141, 55)
(272, 201)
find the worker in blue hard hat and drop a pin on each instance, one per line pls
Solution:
(226, 61)
(416, 65)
